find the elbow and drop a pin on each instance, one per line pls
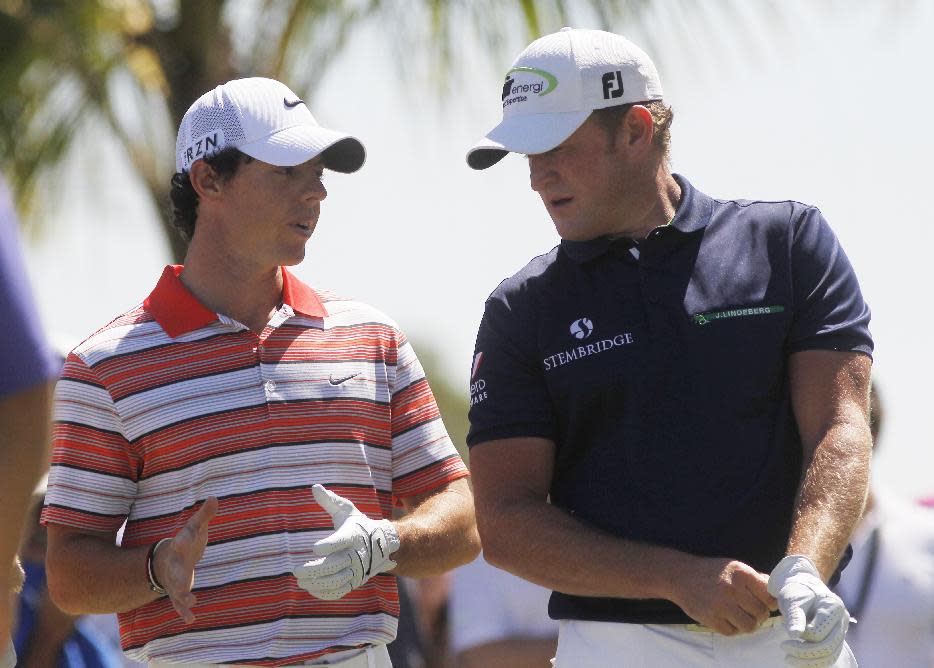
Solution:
(494, 555)
(492, 536)
(471, 545)
(61, 588)
(468, 541)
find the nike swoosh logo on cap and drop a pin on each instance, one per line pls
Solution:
(337, 381)
(292, 103)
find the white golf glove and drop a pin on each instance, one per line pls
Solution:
(814, 616)
(358, 549)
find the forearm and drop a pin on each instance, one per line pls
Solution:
(544, 544)
(24, 439)
(439, 534)
(89, 574)
(832, 494)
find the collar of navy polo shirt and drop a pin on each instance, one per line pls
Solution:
(693, 214)
(178, 311)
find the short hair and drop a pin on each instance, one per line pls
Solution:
(184, 198)
(610, 118)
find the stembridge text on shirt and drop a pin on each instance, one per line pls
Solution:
(579, 352)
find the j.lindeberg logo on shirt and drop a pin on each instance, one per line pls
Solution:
(743, 312)
(579, 352)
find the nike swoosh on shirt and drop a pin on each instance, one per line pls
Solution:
(337, 381)
(292, 103)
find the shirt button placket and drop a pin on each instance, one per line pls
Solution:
(268, 386)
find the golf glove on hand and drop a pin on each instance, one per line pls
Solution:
(815, 617)
(358, 549)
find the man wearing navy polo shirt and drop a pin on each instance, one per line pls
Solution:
(669, 410)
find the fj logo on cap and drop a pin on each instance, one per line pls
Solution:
(204, 146)
(612, 85)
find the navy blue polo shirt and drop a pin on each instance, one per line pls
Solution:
(660, 372)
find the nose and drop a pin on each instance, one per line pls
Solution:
(540, 172)
(315, 190)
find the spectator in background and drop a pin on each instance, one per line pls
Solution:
(27, 368)
(499, 620)
(888, 586)
(46, 637)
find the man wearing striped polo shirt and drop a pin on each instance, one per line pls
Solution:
(253, 433)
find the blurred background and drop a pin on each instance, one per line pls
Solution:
(828, 103)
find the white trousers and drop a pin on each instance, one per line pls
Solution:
(375, 656)
(612, 645)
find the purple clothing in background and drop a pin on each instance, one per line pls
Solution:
(25, 357)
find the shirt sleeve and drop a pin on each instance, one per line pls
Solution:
(94, 471)
(423, 456)
(508, 395)
(25, 358)
(830, 313)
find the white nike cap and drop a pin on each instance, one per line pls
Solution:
(556, 83)
(266, 120)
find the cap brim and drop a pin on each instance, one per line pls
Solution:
(301, 143)
(526, 133)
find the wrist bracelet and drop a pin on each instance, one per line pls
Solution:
(154, 584)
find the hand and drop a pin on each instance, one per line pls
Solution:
(815, 617)
(358, 549)
(174, 561)
(728, 596)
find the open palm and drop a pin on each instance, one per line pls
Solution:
(175, 560)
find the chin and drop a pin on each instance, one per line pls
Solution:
(570, 232)
(292, 259)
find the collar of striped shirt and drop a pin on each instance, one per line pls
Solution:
(178, 311)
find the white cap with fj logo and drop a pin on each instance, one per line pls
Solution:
(266, 120)
(556, 83)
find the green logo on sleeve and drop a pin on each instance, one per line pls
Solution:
(710, 316)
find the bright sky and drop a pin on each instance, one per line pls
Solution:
(833, 109)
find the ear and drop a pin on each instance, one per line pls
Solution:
(638, 129)
(205, 180)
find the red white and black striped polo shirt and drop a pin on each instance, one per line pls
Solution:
(171, 403)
